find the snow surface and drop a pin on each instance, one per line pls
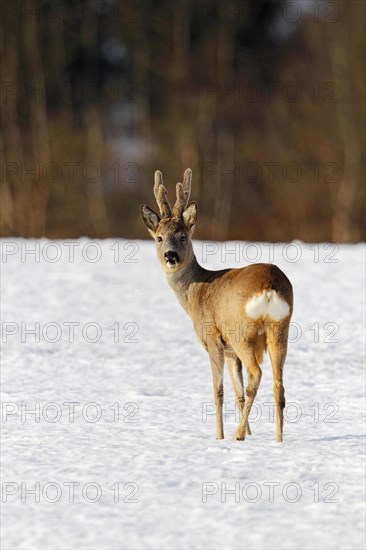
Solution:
(162, 452)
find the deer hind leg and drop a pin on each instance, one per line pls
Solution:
(277, 349)
(236, 374)
(217, 364)
(248, 357)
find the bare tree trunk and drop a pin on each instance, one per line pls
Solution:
(40, 156)
(180, 73)
(343, 228)
(13, 213)
(225, 143)
(95, 191)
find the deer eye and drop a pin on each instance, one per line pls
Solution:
(159, 239)
(182, 239)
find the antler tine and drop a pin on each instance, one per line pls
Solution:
(183, 193)
(158, 180)
(161, 195)
(187, 179)
(181, 202)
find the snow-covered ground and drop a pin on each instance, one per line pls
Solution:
(120, 450)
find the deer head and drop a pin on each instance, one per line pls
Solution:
(172, 229)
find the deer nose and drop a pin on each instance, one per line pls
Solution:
(171, 256)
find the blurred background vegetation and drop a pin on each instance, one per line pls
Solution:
(264, 100)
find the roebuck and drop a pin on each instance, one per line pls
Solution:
(237, 313)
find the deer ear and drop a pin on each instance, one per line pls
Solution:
(190, 216)
(150, 219)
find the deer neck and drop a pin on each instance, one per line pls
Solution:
(187, 282)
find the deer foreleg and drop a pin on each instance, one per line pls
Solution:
(217, 364)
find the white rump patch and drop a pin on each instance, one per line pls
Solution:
(270, 304)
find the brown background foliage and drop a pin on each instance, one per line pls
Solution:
(263, 100)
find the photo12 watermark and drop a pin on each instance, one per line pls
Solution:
(222, 92)
(238, 252)
(71, 251)
(272, 172)
(127, 174)
(59, 12)
(234, 333)
(253, 492)
(69, 331)
(69, 411)
(69, 491)
(327, 413)
(289, 13)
